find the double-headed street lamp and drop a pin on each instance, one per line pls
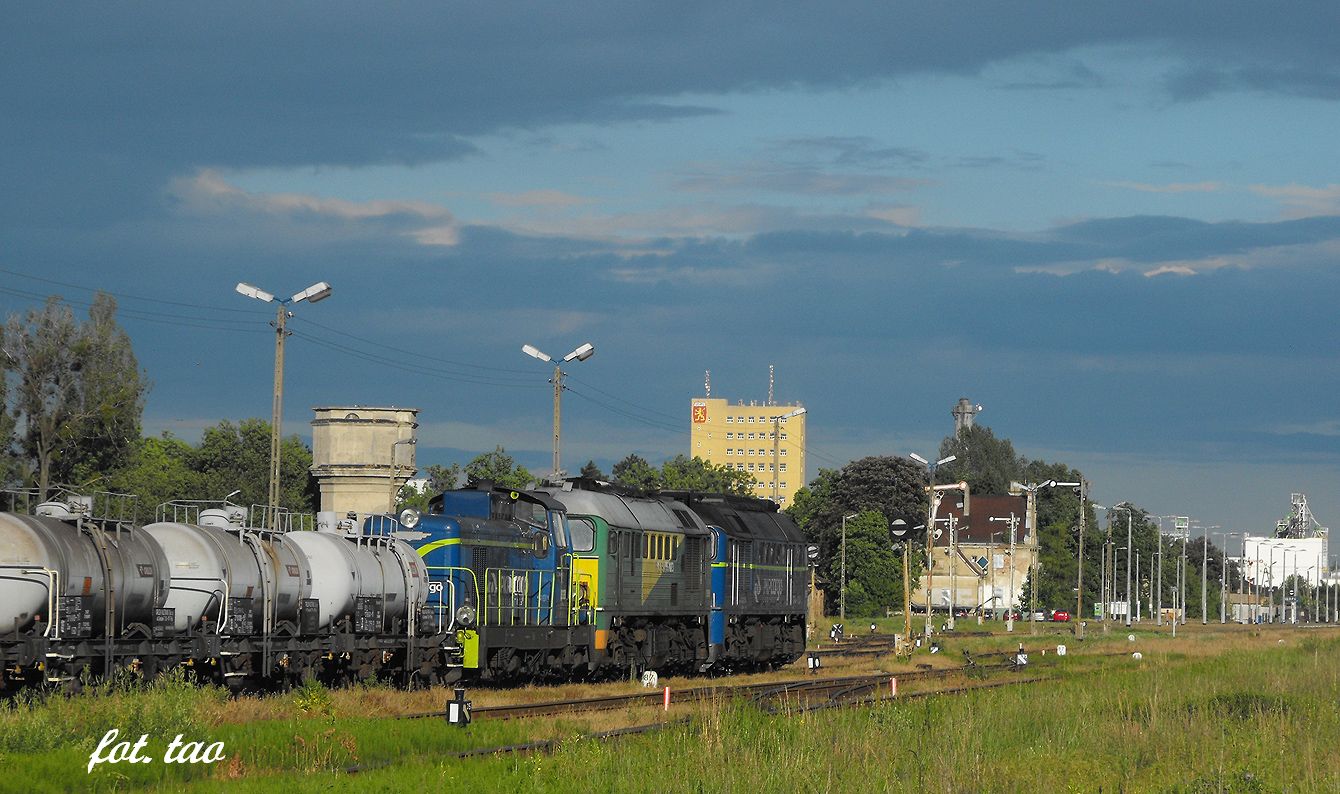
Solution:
(317, 292)
(580, 354)
(930, 523)
(1031, 527)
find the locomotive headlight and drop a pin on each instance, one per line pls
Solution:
(409, 518)
(465, 615)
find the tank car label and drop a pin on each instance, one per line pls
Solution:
(146, 571)
(292, 570)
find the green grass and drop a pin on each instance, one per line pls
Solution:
(1259, 717)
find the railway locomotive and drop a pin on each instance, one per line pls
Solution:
(84, 593)
(584, 579)
(578, 579)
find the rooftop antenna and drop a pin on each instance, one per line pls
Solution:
(770, 384)
(707, 382)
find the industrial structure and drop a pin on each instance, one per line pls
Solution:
(767, 440)
(362, 456)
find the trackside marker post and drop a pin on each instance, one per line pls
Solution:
(666, 700)
(893, 687)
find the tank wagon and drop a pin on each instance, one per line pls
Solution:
(584, 579)
(84, 592)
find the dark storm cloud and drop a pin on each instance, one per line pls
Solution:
(102, 103)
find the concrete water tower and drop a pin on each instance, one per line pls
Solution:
(963, 413)
(362, 455)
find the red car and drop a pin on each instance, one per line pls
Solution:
(1061, 616)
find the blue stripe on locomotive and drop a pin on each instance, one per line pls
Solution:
(716, 619)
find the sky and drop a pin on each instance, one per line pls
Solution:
(1114, 225)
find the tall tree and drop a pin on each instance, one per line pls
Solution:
(635, 472)
(159, 470)
(681, 473)
(988, 464)
(890, 486)
(79, 393)
(237, 457)
(9, 464)
(592, 471)
(499, 467)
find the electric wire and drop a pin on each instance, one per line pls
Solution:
(507, 378)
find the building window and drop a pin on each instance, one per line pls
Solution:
(751, 452)
(770, 467)
(751, 420)
(730, 451)
(783, 436)
(729, 436)
(730, 419)
(782, 484)
(751, 467)
(783, 450)
(781, 467)
(739, 467)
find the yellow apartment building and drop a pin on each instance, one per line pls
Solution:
(767, 441)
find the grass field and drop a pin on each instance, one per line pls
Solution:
(1238, 710)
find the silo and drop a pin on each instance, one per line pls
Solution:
(362, 455)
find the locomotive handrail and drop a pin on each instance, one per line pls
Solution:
(525, 609)
(473, 577)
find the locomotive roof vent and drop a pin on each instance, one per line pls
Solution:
(71, 508)
(229, 517)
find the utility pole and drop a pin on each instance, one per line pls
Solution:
(1079, 584)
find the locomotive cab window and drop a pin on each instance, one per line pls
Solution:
(583, 532)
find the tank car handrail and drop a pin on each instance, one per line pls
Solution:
(52, 586)
(223, 605)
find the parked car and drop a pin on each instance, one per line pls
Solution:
(1039, 615)
(1060, 616)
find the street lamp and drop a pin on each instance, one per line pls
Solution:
(1009, 602)
(776, 437)
(842, 589)
(930, 524)
(317, 292)
(580, 354)
(396, 469)
(1129, 546)
(1223, 575)
(1031, 524)
(900, 530)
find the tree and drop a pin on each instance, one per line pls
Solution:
(874, 572)
(79, 392)
(440, 478)
(890, 486)
(9, 464)
(159, 470)
(986, 463)
(499, 467)
(681, 473)
(635, 472)
(592, 472)
(237, 457)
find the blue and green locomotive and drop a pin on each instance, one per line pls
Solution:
(584, 579)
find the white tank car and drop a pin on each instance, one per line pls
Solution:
(48, 556)
(347, 565)
(207, 566)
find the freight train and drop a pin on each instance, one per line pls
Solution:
(578, 579)
(85, 593)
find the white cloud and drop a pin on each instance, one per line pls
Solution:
(208, 193)
(1172, 187)
(1302, 201)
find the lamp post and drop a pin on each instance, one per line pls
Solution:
(776, 437)
(934, 500)
(313, 294)
(842, 587)
(581, 353)
(395, 471)
(1223, 576)
(900, 530)
(1031, 527)
(1204, 568)
(1009, 602)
